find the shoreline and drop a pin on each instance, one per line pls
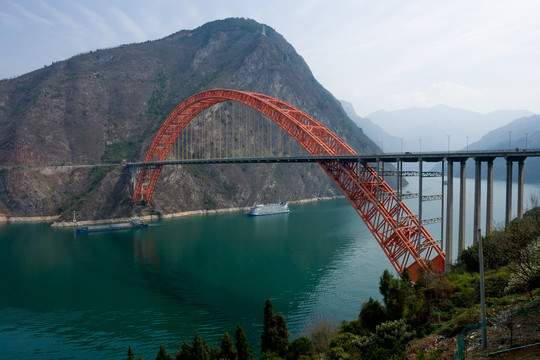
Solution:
(68, 224)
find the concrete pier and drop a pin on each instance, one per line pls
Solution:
(420, 193)
(442, 203)
(449, 215)
(134, 172)
(399, 189)
(477, 198)
(489, 198)
(508, 216)
(520, 188)
(462, 193)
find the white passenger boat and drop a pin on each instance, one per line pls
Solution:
(268, 209)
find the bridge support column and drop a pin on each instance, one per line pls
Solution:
(449, 215)
(419, 205)
(477, 199)
(134, 172)
(442, 203)
(520, 189)
(378, 162)
(462, 193)
(508, 216)
(489, 195)
(399, 188)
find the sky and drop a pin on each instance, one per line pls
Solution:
(478, 55)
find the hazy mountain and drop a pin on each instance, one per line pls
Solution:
(384, 141)
(108, 104)
(430, 127)
(523, 133)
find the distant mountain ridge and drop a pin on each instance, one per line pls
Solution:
(106, 106)
(385, 141)
(522, 133)
(432, 128)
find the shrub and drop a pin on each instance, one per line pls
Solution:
(372, 314)
(301, 346)
(320, 334)
(525, 272)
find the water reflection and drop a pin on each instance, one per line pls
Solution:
(92, 295)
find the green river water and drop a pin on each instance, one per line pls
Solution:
(66, 295)
(76, 296)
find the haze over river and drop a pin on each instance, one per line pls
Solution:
(65, 295)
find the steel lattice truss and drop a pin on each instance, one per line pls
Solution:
(406, 242)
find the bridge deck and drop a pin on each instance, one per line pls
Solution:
(456, 156)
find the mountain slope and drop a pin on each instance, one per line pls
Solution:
(522, 133)
(105, 106)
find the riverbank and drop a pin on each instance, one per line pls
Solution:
(147, 218)
(26, 219)
(150, 218)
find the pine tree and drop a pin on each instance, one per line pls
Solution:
(242, 346)
(275, 336)
(163, 354)
(282, 336)
(201, 350)
(130, 354)
(227, 349)
(185, 352)
(268, 335)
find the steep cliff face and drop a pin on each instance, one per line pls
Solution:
(106, 106)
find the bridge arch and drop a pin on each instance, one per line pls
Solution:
(406, 242)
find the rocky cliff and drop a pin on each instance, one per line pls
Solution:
(105, 106)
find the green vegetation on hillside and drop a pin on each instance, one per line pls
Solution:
(445, 304)
(117, 152)
(435, 304)
(96, 175)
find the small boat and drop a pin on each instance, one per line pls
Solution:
(134, 223)
(268, 209)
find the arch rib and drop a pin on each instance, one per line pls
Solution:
(390, 221)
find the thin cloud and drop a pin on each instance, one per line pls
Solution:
(62, 17)
(29, 15)
(104, 34)
(128, 24)
(376, 54)
(444, 92)
(9, 21)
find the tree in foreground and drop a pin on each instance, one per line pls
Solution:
(227, 349)
(269, 327)
(130, 353)
(282, 335)
(275, 336)
(372, 314)
(394, 292)
(242, 346)
(201, 350)
(301, 347)
(163, 354)
(184, 353)
(321, 334)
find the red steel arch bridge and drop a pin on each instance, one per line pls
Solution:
(225, 125)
